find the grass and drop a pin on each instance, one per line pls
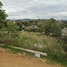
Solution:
(49, 45)
(27, 40)
(30, 58)
(53, 58)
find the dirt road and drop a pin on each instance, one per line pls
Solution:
(8, 59)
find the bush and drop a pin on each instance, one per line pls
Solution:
(56, 54)
(64, 40)
(34, 30)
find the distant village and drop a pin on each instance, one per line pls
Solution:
(35, 24)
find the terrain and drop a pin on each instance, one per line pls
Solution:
(9, 59)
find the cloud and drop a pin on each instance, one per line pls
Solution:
(36, 9)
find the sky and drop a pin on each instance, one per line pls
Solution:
(35, 9)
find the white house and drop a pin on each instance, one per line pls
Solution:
(64, 31)
(23, 25)
(34, 26)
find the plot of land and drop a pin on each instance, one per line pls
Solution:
(8, 59)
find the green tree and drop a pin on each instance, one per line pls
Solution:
(12, 27)
(3, 16)
(26, 23)
(1, 4)
(50, 26)
(11, 31)
(20, 25)
(6, 26)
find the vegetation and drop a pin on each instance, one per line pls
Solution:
(20, 26)
(54, 50)
(50, 26)
(3, 16)
(7, 28)
(55, 47)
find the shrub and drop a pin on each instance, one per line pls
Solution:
(64, 40)
(56, 54)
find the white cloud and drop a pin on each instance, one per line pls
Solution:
(43, 9)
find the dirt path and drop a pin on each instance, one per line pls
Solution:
(16, 60)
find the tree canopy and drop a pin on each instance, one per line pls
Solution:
(3, 16)
(51, 26)
(4, 25)
(1, 4)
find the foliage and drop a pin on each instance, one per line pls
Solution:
(1, 4)
(3, 29)
(64, 41)
(50, 26)
(26, 23)
(12, 27)
(63, 25)
(4, 25)
(55, 54)
(20, 25)
(3, 16)
(28, 30)
(53, 49)
(65, 22)
(33, 30)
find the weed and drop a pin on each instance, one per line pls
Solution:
(40, 60)
(30, 58)
(15, 52)
(44, 41)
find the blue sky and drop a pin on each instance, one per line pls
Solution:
(35, 9)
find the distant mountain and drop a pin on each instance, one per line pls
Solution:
(27, 19)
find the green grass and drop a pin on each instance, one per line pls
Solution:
(30, 58)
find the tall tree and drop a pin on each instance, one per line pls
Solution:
(3, 16)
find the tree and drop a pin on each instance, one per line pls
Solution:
(50, 26)
(1, 4)
(20, 25)
(6, 26)
(11, 31)
(26, 23)
(3, 16)
(12, 27)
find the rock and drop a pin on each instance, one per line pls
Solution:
(19, 54)
(24, 53)
(42, 60)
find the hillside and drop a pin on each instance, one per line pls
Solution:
(9, 59)
(50, 45)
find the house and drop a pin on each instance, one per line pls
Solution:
(13, 21)
(18, 21)
(25, 21)
(34, 26)
(23, 25)
(64, 31)
(33, 22)
(39, 23)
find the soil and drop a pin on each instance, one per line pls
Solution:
(9, 59)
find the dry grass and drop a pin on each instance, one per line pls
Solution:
(28, 39)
